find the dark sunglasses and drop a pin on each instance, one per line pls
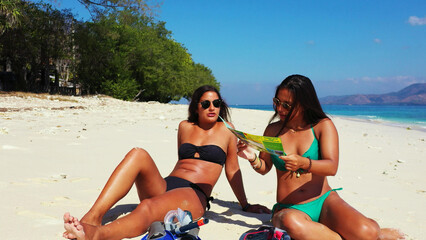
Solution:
(277, 103)
(206, 103)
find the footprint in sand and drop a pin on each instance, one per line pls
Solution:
(266, 192)
(19, 183)
(40, 219)
(32, 181)
(4, 131)
(49, 131)
(10, 147)
(63, 201)
(53, 179)
(79, 179)
(43, 180)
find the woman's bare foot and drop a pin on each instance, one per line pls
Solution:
(68, 219)
(391, 234)
(73, 228)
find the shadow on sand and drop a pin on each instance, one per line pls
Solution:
(232, 208)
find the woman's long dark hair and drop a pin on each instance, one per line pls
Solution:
(195, 99)
(304, 96)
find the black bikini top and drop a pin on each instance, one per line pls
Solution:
(209, 153)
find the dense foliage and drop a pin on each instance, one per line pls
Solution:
(34, 45)
(123, 54)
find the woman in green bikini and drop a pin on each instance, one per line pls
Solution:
(307, 207)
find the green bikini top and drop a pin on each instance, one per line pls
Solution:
(313, 153)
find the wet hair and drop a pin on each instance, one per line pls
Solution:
(195, 99)
(304, 96)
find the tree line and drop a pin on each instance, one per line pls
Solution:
(121, 53)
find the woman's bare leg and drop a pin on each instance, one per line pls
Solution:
(351, 224)
(136, 167)
(137, 222)
(300, 226)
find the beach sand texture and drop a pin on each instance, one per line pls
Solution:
(57, 152)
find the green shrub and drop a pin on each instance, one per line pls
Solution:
(122, 88)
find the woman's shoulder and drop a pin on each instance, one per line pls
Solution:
(222, 128)
(272, 128)
(226, 124)
(185, 124)
(325, 122)
(325, 125)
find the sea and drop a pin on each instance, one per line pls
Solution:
(410, 116)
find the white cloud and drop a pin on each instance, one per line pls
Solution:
(414, 21)
(378, 41)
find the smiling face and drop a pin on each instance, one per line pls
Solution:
(211, 113)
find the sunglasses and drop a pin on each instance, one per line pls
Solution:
(277, 103)
(206, 103)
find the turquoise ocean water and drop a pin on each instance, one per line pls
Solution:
(413, 117)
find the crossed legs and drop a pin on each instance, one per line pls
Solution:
(139, 168)
(338, 220)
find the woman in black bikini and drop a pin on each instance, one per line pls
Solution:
(205, 146)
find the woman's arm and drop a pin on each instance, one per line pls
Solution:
(261, 162)
(179, 133)
(329, 147)
(234, 177)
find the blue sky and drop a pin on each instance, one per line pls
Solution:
(344, 47)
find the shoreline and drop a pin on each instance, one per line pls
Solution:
(57, 153)
(409, 124)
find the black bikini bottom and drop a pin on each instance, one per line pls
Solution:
(176, 182)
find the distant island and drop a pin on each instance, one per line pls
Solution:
(414, 94)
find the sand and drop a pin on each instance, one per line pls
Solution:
(57, 152)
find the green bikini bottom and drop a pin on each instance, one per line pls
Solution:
(313, 208)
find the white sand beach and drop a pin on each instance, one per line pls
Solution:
(57, 152)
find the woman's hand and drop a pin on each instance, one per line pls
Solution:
(245, 151)
(257, 208)
(293, 162)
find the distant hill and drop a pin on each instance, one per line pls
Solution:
(414, 94)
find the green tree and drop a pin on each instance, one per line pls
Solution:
(120, 53)
(35, 46)
(124, 48)
(9, 14)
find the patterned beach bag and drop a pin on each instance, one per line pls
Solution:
(265, 233)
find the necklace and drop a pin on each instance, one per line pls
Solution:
(292, 130)
(295, 130)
